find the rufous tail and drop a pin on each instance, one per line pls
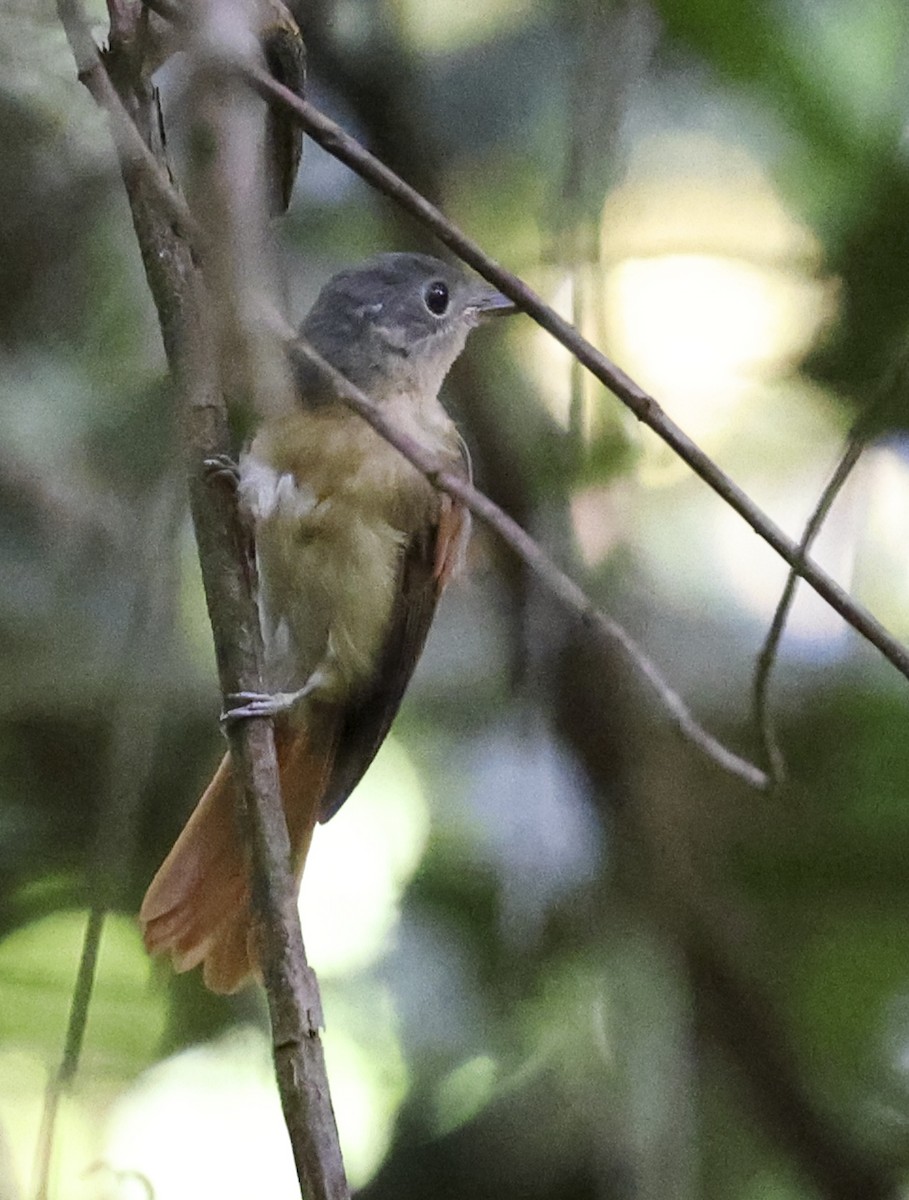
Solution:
(197, 907)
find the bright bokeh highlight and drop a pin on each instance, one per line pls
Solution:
(208, 1120)
(711, 294)
(360, 863)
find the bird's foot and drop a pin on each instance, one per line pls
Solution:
(223, 469)
(243, 706)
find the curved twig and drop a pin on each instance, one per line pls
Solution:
(767, 656)
(885, 400)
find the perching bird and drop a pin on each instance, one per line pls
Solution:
(353, 548)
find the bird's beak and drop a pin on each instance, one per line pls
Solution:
(492, 304)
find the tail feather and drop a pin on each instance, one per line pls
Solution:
(197, 908)
(230, 958)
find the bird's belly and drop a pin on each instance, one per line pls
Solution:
(328, 572)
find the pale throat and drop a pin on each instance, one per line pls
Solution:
(413, 374)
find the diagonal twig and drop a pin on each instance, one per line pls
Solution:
(340, 144)
(131, 149)
(571, 596)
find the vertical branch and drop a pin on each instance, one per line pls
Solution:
(191, 340)
(230, 195)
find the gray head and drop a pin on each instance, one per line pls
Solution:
(396, 324)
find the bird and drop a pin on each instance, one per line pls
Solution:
(353, 548)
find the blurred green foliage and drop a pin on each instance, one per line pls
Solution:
(608, 971)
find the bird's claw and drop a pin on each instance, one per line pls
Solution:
(223, 469)
(243, 706)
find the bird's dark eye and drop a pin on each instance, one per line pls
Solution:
(436, 297)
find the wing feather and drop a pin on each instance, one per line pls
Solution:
(427, 563)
